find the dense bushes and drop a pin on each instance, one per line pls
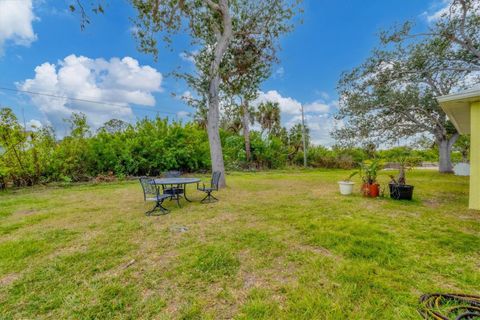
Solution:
(267, 152)
(147, 148)
(346, 158)
(152, 146)
(341, 158)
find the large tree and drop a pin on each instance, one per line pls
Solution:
(213, 25)
(392, 95)
(247, 63)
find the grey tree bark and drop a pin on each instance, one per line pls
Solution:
(213, 116)
(246, 130)
(444, 153)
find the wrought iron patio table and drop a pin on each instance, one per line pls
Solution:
(177, 181)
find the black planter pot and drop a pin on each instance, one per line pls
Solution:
(401, 191)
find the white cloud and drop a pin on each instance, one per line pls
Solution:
(318, 114)
(443, 8)
(188, 56)
(438, 10)
(186, 95)
(317, 106)
(183, 114)
(291, 106)
(287, 105)
(115, 83)
(324, 95)
(33, 124)
(16, 19)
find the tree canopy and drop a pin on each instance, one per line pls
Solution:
(392, 95)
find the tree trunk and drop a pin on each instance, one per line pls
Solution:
(445, 152)
(213, 115)
(246, 129)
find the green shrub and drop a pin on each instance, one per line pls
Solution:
(152, 146)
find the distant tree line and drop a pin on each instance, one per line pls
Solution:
(147, 147)
(152, 146)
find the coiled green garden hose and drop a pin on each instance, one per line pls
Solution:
(440, 306)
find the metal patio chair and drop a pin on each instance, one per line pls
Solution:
(213, 187)
(174, 190)
(151, 194)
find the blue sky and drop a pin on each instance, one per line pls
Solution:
(42, 49)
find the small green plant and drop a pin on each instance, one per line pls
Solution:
(405, 164)
(369, 170)
(348, 179)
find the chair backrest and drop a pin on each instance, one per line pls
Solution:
(172, 174)
(215, 179)
(149, 187)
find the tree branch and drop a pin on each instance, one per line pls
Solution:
(214, 5)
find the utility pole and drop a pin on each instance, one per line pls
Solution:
(304, 140)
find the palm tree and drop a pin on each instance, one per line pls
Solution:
(269, 117)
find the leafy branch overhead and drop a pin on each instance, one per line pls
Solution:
(94, 7)
(456, 28)
(255, 21)
(392, 95)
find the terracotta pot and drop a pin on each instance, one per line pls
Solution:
(374, 190)
(364, 189)
(371, 190)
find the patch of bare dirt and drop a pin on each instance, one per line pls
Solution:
(8, 279)
(431, 203)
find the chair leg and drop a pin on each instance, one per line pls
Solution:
(149, 212)
(164, 210)
(208, 198)
(205, 198)
(158, 205)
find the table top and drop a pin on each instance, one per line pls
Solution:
(166, 181)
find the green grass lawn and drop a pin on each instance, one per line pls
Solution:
(278, 245)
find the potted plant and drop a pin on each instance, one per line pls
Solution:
(369, 170)
(346, 186)
(399, 190)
